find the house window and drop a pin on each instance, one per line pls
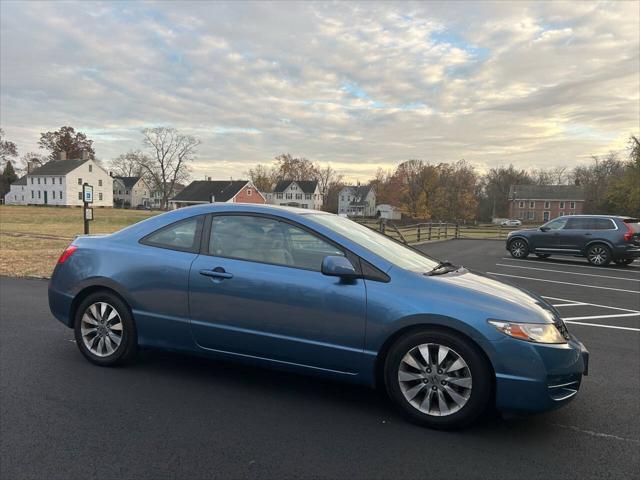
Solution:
(99, 183)
(126, 192)
(32, 193)
(289, 196)
(307, 196)
(547, 205)
(79, 195)
(79, 181)
(38, 193)
(53, 194)
(248, 192)
(572, 205)
(60, 196)
(90, 168)
(279, 195)
(530, 215)
(561, 204)
(38, 180)
(298, 196)
(31, 180)
(532, 204)
(45, 180)
(521, 204)
(100, 196)
(342, 198)
(561, 213)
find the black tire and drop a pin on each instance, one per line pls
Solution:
(599, 254)
(127, 348)
(623, 262)
(543, 255)
(518, 248)
(478, 366)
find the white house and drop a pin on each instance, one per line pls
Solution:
(296, 193)
(357, 201)
(59, 182)
(388, 211)
(17, 194)
(131, 192)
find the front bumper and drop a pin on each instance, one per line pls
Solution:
(539, 377)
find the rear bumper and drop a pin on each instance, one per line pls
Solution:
(60, 305)
(547, 377)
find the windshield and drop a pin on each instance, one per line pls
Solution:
(377, 243)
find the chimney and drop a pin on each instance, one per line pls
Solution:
(30, 167)
(84, 155)
(62, 155)
(111, 174)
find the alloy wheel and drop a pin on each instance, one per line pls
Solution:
(598, 255)
(518, 248)
(101, 329)
(435, 379)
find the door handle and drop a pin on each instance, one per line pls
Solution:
(217, 272)
(587, 234)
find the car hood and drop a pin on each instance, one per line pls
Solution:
(496, 298)
(522, 230)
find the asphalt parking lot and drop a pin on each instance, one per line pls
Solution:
(170, 416)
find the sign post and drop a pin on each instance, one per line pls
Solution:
(87, 211)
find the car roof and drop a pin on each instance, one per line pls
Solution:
(595, 216)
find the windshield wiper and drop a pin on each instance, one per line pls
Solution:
(443, 267)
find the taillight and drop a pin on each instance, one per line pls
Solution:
(629, 235)
(70, 250)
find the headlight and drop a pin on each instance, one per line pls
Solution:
(531, 332)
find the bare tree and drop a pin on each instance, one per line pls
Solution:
(168, 163)
(130, 164)
(263, 177)
(8, 150)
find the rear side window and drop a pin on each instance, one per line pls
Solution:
(602, 224)
(578, 224)
(183, 235)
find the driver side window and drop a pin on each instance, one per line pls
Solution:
(556, 224)
(266, 240)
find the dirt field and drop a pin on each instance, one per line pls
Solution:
(31, 238)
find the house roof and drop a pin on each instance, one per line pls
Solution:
(546, 192)
(128, 182)
(307, 186)
(203, 190)
(58, 167)
(359, 193)
(21, 181)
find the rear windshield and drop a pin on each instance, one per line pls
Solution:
(633, 223)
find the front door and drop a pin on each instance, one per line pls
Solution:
(545, 216)
(260, 293)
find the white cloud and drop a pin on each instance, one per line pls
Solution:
(359, 85)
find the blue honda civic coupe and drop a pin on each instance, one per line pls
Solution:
(316, 293)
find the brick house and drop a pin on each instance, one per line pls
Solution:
(541, 203)
(210, 191)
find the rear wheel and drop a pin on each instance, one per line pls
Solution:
(623, 261)
(104, 329)
(543, 255)
(599, 255)
(438, 379)
(518, 248)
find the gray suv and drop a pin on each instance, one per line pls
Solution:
(599, 238)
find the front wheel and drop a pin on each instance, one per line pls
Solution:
(438, 379)
(105, 331)
(518, 248)
(623, 261)
(599, 255)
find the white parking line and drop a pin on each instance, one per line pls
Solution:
(604, 326)
(571, 273)
(590, 304)
(564, 283)
(595, 317)
(571, 265)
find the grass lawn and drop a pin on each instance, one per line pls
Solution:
(32, 238)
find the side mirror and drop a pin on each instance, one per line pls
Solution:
(336, 266)
(544, 229)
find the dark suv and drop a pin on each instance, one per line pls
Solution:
(600, 238)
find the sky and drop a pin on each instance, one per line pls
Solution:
(355, 85)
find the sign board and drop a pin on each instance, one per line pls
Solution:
(87, 193)
(88, 213)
